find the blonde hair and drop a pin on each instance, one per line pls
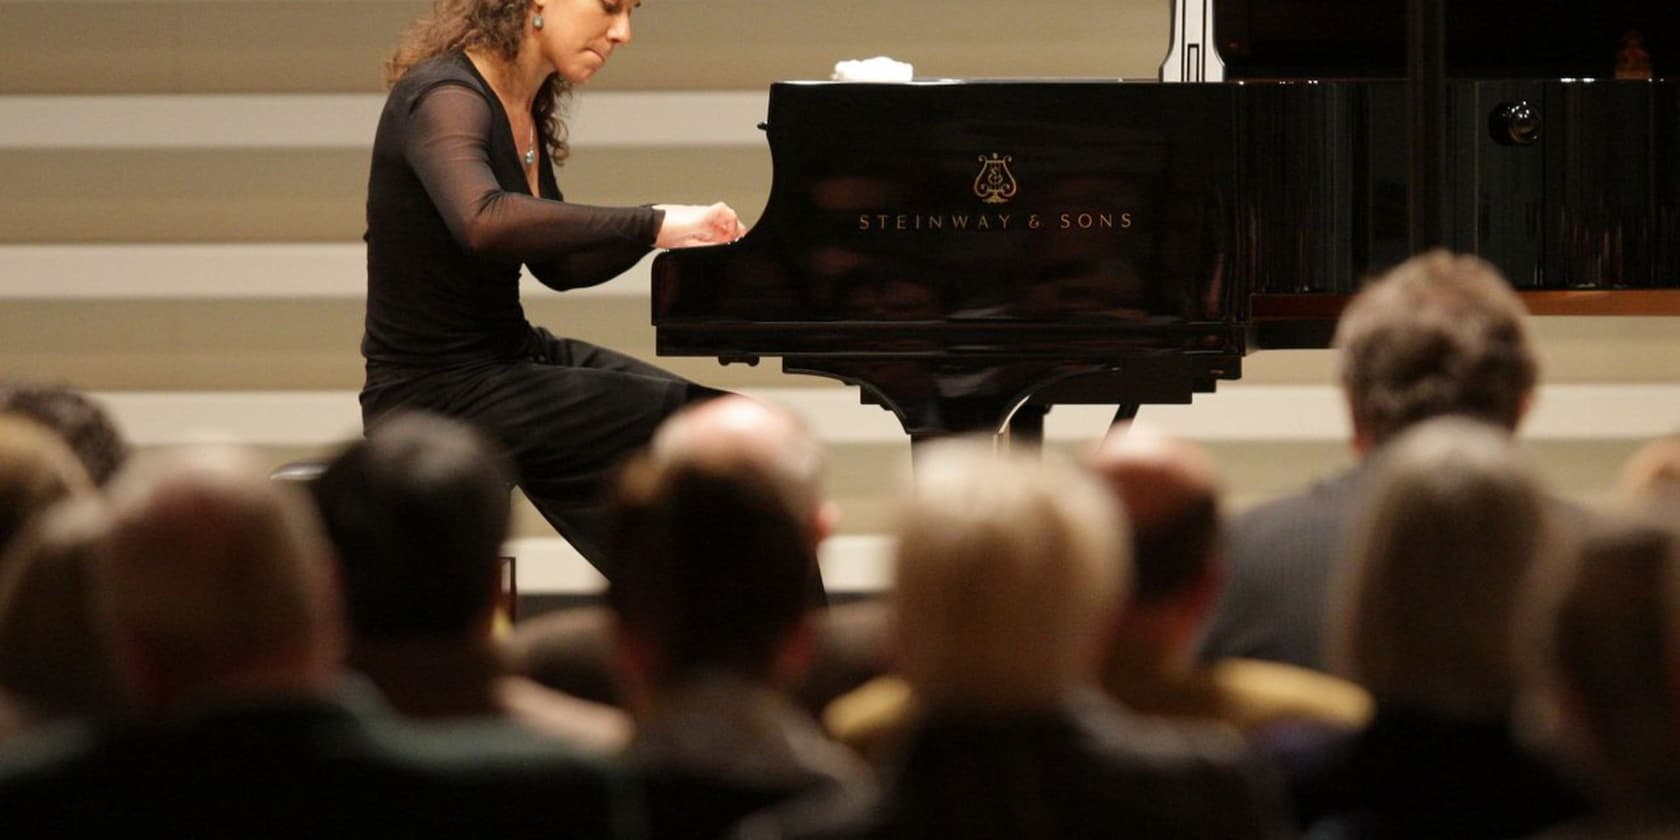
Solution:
(1009, 571)
(1453, 527)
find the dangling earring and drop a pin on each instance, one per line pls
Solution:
(536, 22)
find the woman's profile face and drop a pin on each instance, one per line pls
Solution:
(578, 36)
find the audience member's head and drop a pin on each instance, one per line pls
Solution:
(719, 551)
(417, 513)
(218, 585)
(1616, 663)
(53, 657)
(737, 429)
(691, 557)
(36, 469)
(574, 650)
(75, 417)
(1009, 572)
(1439, 334)
(1650, 480)
(1169, 490)
(1453, 528)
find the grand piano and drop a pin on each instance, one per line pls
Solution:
(970, 253)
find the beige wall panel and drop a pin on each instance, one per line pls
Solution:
(862, 478)
(278, 195)
(1608, 349)
(739, 176)
(1571, 349)
(197, 47)
(182, 196)
(749, 43)
(184, 345)
(66, 46)
(284, 344)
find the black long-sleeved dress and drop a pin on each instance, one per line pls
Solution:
(450, 220)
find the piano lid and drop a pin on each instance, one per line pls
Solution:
(1323, 39)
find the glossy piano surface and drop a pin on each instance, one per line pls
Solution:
(1083, 209)
(958, 247)
(955, 246)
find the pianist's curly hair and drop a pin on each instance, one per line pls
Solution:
(493, 26)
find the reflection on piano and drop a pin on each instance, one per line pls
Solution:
(972, 252)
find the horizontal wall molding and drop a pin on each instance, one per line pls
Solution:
(217, 271)
(347, 121)
(1237, 413)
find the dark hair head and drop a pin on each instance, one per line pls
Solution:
(417, 512)
(1439, 334)
(1172, 553)
(496, 27)
(76, 418)
(715, 562)
(1169, 489)
(54, 658)
(1615, 641)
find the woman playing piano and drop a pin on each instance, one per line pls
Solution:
(461, 194)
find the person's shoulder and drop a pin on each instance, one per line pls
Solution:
(1312, 513)
(1199, 777)
(44, 751)
(1117, 740)
(1259, 693)
(449, 65)
(445, 69)
(482, 743)
(516, 778)
(1323, 495)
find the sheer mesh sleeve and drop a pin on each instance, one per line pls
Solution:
(448, 147)
(587, 268)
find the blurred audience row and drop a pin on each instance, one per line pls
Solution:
(1433, 644)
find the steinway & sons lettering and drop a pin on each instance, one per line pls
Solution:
(993, 221)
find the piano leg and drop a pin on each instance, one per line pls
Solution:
(1026, 427)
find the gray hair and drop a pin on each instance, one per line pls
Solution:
(1439, 334)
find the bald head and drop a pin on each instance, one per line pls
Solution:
(216, 574)
(739, 430)
(718, 525)
(1156, 476)
(1169, 489)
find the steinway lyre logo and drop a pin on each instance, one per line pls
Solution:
(995, 184)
